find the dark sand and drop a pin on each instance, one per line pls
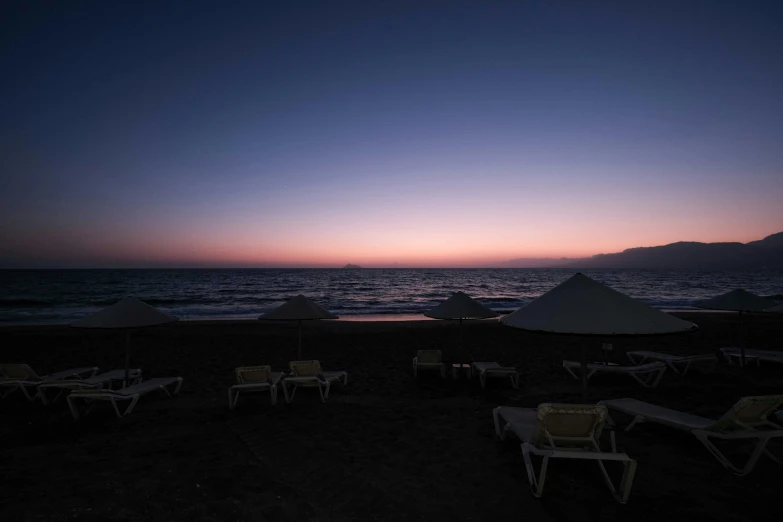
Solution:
(387, 447)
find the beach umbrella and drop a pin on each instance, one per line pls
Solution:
(583, 307)
(299, 309)
(125, 314)
(738, 300)
(461, 306)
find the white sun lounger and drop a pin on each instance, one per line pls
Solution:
(308, 374)
(20, 377)
(254, 379)
(680, 364)
(648, 375)
(493, 369)
(130, 393)
(730, 353)
(429, 360)
(95, 382)
(740, 423)
(570, 431)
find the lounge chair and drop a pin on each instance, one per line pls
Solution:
(741, 422)
(20, 377)
(309, 375)
(730, 353)
(130, 393)
(98, 381)
(493, 369)
(679, 364)
(254, 379)
(429, 360)
(648, 375)
(570, 431)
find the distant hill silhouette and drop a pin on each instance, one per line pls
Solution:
(765, 253)
(538, 262)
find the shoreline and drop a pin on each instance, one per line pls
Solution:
(356, 318)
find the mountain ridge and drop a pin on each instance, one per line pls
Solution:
(766, 253)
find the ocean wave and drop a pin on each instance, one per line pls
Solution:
(24, 303)
(173, 301)
(60, 296)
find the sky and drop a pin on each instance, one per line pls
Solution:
(384, 133)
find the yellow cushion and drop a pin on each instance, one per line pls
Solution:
(305, 368)
(253, 374)
(428, 356)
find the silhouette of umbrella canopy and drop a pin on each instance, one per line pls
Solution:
(582, 306)
(461, 306)
(127, 313)
(738, 300)
(300, 308)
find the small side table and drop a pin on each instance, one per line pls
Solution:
(457, 368)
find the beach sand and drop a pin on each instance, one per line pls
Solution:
(386, 447)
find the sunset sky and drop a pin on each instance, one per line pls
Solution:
(454, 133)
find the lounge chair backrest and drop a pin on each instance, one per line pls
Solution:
(21, 372)
(428, 356)
(253, 374)
(305, 368)
(568, 425)
(748, 413)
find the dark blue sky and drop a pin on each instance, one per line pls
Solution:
(445, 133)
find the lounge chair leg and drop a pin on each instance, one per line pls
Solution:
(495, 417)
(758, 450)
(27, 395)
(636, 420)
(90, 407)
(536, 484)
(116, 409)
(771, 456)
(658, 376)
(623, 491)
(132, 404)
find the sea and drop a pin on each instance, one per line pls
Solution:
(61, 296)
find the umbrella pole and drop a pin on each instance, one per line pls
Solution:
(741, 341)
(299, 356)
(127, 358)
(584, 370)
(461, 335)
